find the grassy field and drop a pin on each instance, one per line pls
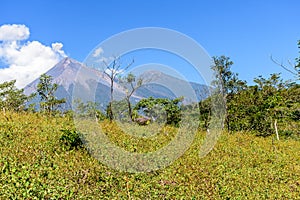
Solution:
(34, 164)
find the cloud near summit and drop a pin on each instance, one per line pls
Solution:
(25, 60)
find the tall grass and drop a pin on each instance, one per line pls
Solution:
(35, 165)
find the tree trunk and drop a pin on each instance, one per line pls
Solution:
(129, 109)
(110, 112)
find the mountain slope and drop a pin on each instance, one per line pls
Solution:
(162, 85)
(78, 81)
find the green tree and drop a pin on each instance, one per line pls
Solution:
(120, 109)
(230, 84)
(88, 110)
(46, 90)
(205, 112)
(131, 84)
(259, 107)
(12, 98)
(161, 109)
(275, 95)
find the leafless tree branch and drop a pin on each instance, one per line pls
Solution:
(284, 67)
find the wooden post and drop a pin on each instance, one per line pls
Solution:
(276, 130)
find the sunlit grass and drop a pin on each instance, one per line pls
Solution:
(34, 164)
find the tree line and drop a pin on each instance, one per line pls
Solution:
(14, 99)
(271, 104)
(260, 108)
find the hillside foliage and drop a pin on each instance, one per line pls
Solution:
(35, 163)
(12, 98)
(43, 156)
(46, 90)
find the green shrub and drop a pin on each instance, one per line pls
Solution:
(161, 109)
(71, 139)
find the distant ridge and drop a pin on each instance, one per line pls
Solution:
(65, 74)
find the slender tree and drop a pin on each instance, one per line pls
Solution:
(112, 71)
(46, 90)
(229, 81)
(131, 84)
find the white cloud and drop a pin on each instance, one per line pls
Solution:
(97, 52)
(105, 60)
(13, 32)
(57, 47)
(110, 71)
(25, 61)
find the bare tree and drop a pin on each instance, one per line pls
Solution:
(292, 71)
(294, 68)
(112, 70)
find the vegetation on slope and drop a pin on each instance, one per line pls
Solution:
(35, 164)
(42, 156)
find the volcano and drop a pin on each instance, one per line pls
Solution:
(76, 80)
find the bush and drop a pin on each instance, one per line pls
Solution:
(161, 109)
(71, 139)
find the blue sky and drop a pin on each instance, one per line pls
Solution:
(246, 31)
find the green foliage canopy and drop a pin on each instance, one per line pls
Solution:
(46, 90)
(12, 98)
(154, 107)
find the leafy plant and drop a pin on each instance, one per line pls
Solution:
(161, 109)
(130, 83)
(12, 98)
(71, 139)
(88, 110)
(46, 90)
